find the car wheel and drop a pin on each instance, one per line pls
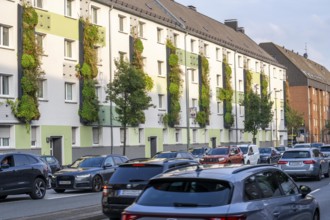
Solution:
(59, 190)
(38, 189)
(327, 174)
(248, 162)
(316, 215)
(319, 175)
(97, 184)
(3, 197)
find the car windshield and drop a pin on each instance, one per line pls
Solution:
(296, 154)
(218, 151)
(135, 173)
(317, 145)
(166, 155)
(244, 149)
(325, 149)
(186, 193)
(198, 151)
(302, 146)
(49, 159)
(265, 150)
(88, 162)
(280, 149)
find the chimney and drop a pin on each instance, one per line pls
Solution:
(231, 23)
(306, 55)
(241, 29)
(192, 7)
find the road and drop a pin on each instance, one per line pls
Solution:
(86, 205)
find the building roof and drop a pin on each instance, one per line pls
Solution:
(188, 19)
(309, 68)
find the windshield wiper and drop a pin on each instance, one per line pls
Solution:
(179, 204)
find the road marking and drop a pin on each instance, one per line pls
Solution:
(59, 196)
(314, 191)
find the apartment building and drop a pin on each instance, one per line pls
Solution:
(61, 132)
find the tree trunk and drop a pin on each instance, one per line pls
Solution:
(124, 145)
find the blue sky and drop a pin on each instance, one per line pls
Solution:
(289, 23)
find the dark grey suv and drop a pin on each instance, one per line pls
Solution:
(243, 192)
(129, 180)
(22, 173)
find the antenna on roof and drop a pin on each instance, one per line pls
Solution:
(305, 54)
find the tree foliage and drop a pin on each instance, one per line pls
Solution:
(128, 91)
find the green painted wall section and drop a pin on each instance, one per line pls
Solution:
(51, 23)
(23, 137)
(158, 132)
(86, 137)
(214, 133)
(192, 59)
(60, 131)
(225, 136)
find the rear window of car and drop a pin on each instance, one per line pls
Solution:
(137, 173)
(165, 155)
(325, 149)
(265, 150)
(244, 149)
(296, 154)
(186, 193)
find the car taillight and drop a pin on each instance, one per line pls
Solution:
(309, 162)
(126, 216)
(234, 217)
(138, 165)
(105, 191)
(282, 162)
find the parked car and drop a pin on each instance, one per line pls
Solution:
(22, 173)
(53, 162)
(305, 162)
(317, 144)
(281, 149)
(302, 145)
(49, 173)
(174, 154)
(325, 149)
(269, 155)
(251, 153)
(223, 155)
(232, 192)
(87, 172)
(129, 180)
(198, 153)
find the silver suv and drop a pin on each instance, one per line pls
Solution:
(233, 192)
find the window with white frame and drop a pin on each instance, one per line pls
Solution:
(194, 102)
(98, 92)
(141, 134)
(4, 136)
(274, 73)
(94, 14)
(218, 80)
(161, 101)
(34, 136)
(206, 50)
(192, 45)
(38, 3)
(69, 91)
(40, 41)
(248, 64)
(240, 61)
(160, 68)
(193, 76)
(96, 135)
(68, 48)
(228, 55)
(41, 93)
(159, 35)
(68, 8)
(177, 135)
(4, 35)
(122, 23)
(141, 29)
(74, 131)
(176, 40)
(240, 85)
(219, 108)
(218, 54)
(4, 84)
(256, 68)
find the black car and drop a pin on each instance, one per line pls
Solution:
(53, 162)
(22, 173)
(174, 154)
(269, 155)
(129, 180)
(87, 172)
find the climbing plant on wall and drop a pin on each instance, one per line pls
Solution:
(226, 95)
(26, 108)
(265, 104)
(174, 87)
(89, 107)
(202, 116)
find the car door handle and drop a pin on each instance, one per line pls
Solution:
(276, 213)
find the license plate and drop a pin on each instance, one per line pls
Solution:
(64, 182)
(295, 163)
(126, 192)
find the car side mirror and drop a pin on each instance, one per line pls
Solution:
(250, 153)
(304, 190)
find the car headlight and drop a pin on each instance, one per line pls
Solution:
(221, 159)
(82, 177)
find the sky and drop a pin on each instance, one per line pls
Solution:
(294, 24)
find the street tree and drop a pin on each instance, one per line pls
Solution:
(128, 91)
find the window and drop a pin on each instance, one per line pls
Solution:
(4, 136)
(96, 135)
(228, 55)
(40, 41)
(160, 101)
(38, 3)
(206, 50)
(288, 187)
(68, 7)
(141, 135)
(94, 12)
(193, 76)
(74, 135)
(68, 48)
(217, 54)
(194, 102)
(256, 67)
(175, 40)
(177, 136)
(240, 85)
(141, 29)
(160, 68)
(240, 61)
(122, 20)
(4, 36)
(218, 80)
(219, 109)
(98, 92)
(194, 134)
(159, 35)
(69, 91)
(4, 85)
(248, 64)
(192, 46)
(41, 89)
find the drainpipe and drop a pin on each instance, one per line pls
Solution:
(270, 89)
(235, 85)
(187, 90)
(110, 80)
(309, 111)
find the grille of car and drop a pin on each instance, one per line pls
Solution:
(65, 178)
(213, 160)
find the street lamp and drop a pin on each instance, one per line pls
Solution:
(276, 133)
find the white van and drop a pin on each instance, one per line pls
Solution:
(251, 153)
